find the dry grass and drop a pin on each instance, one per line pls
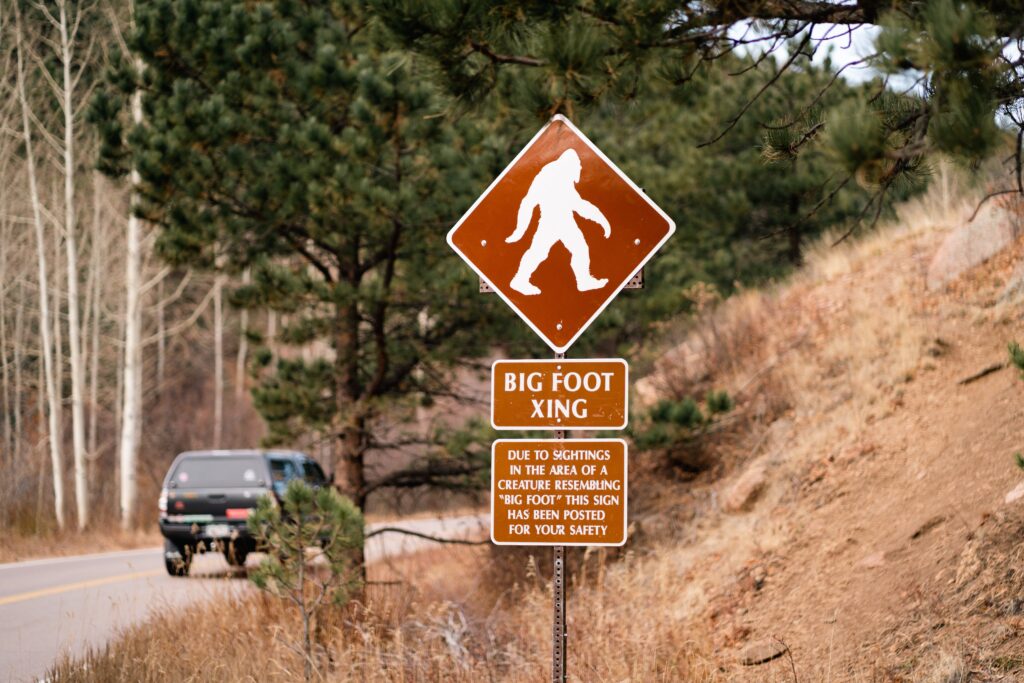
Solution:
(15, 548)
(453, 625)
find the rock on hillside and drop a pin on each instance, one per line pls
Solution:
(973, 242)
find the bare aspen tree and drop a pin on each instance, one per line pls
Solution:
(5, 238)
(131, 410)
(131, 382)
(243, 345)
(64, 91)
(161, 341)
(19, 328)
(7, 280)
(56, 297)
(44, 305)
(218, 360)
(119, 384)
(41, 411)
(95, 309)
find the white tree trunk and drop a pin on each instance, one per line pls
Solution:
(95, 278)
(8, 443)
(272, 331)
(44, 300)
(218, 361)
(243, 346)
(131, 409)
(71, 245)
(161, 339)
(19, 320)
(56, 289)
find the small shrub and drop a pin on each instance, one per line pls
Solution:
(670, 421)
(308, 519)
(1017, 356)
(718, 402)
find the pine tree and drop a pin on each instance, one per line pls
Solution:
(280, 138)
(305, 519)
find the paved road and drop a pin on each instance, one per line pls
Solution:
(65, 605)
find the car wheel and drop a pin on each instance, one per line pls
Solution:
(177, 560)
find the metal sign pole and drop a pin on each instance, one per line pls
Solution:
(559, 629)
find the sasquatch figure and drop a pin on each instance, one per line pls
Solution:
(554, 190)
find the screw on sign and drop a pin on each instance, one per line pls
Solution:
(559, 233)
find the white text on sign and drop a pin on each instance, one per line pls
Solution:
(559, 394)
(555, 492)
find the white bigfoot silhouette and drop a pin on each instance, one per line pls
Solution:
(554, 190)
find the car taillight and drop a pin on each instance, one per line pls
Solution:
(162, 503)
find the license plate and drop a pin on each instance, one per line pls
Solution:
(218, 530)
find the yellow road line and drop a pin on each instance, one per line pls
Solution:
(55, 590)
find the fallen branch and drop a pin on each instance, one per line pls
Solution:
(995, 367)
(398, 530)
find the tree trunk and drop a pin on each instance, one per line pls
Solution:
(131, 410)
(272, 332)
(71, 245)
(243, 347)
(352, 480)
(161, 340)
(95, 262)
(19, 326)
(8, 449)
(218, 361)
(44, 299)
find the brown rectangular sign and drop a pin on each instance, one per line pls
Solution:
(558, 492)
(559, 394)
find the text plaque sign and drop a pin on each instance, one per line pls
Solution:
(558, 492)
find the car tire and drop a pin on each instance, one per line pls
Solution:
(235, 554)
(177, 560)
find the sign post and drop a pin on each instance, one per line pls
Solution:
(559, 628)
(557, 235)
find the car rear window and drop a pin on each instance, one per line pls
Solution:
(218, 472)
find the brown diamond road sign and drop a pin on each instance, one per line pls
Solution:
(560, 232)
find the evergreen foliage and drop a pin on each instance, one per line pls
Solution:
(671, 421)
(962, 59)
(306, 519)
(281, 137)
(746, 206)
(1017, 360)
(1017, 357)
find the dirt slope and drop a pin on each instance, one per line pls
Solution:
(876, 544)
